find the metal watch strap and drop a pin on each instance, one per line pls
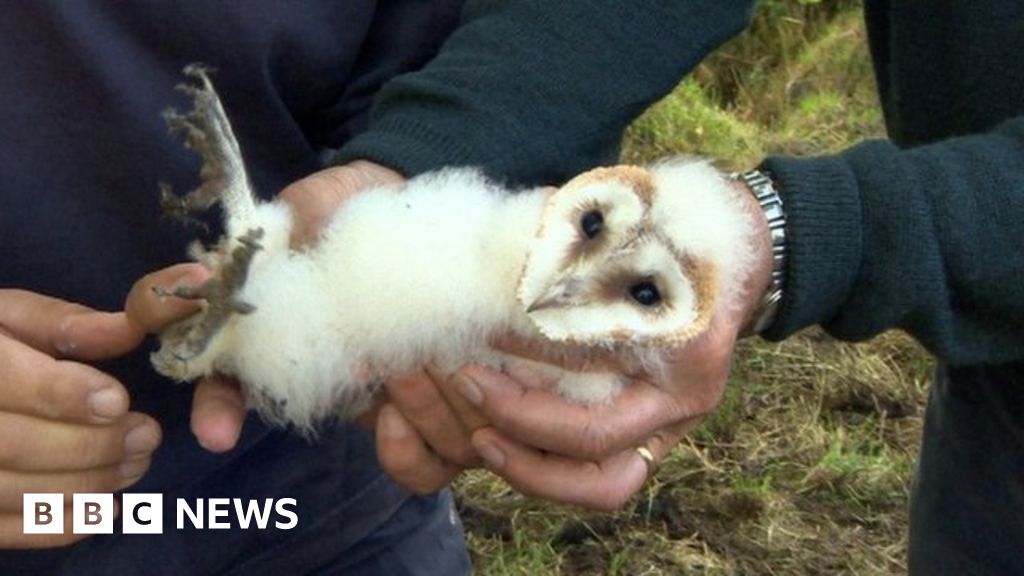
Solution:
(763, 188)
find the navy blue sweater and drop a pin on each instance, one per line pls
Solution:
(82, 148)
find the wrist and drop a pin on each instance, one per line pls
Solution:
(769, 242)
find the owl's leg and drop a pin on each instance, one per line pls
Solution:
(207, 131)
(191, 337)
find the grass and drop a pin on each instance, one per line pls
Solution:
(805, 468)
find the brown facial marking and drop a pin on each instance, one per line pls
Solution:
(584, 248)
(704, 279)
(616, 283)
(636, 177)
(615, 286)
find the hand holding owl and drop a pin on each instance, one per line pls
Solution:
(429, 431)
(586, 455)
(627, 263)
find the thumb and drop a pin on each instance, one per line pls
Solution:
(218, 412)
(64, 329)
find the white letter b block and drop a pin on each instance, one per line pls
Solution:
(93, 514)
(43, 513)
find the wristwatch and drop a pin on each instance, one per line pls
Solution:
(764, 190)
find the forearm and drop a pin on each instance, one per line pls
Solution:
(925, 239)
(535, 92)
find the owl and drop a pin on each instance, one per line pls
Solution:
(625, 261)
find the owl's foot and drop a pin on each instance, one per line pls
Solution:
(188, 339)
(207, 131)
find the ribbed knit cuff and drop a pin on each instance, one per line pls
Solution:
(824, 239)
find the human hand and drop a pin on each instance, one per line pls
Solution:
(406, 422)
(541, 444)
(218, 405)
(64, 425)
(218, 408)
(587, 455)
(591, 456)
(420, 442)
(412, 421)
(595, 456)
(423, 436)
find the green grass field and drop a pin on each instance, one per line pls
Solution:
(806, 466)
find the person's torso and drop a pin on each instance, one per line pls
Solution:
(82, 151)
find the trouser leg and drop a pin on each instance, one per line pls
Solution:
(967, 501)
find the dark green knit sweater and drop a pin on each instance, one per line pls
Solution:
(922, 233)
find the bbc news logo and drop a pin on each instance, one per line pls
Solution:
(144, 513)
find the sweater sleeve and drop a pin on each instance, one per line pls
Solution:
(927, 239)
(535, 91)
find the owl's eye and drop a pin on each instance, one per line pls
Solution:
(645, 293)
(592, 223)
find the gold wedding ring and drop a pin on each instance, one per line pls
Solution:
(648, 457)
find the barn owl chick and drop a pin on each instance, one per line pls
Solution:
(626, 261)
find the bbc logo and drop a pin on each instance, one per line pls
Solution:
(93, 513)
(144, 513)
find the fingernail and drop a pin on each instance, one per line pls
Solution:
(190, 278)
(393, 425)
(469, 390)
(106, 403)
(494, 457)
(141, 440)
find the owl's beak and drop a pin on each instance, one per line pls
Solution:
(543, 303)
(559, 295)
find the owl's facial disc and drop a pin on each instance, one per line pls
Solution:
(574, 290)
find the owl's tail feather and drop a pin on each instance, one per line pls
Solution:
(207, 131)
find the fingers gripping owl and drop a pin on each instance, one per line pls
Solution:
(624, 261)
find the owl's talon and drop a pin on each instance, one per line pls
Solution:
(236, 269)
(179, 208)
(185, 292)
(199, 70)
(220, 293)
(242, 307)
